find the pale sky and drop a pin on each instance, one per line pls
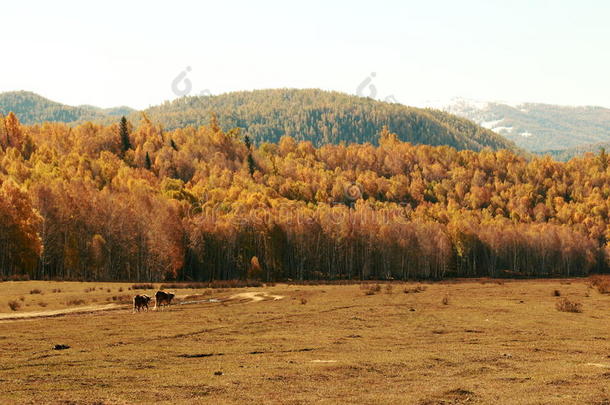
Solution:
(111, 53)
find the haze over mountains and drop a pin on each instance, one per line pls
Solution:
(539, 127)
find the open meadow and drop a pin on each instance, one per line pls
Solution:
(455, 342)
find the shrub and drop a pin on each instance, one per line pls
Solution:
(14, 305)
(35, 291)
(90, 289)
(565, 305)
(18, 277)
(388, 288)
(42, 304)
(602, 284)
(372, 289)
(556, 293)
(414, 290)
(143, 287)
(445, 300)
(75, 301)
(216, 284)
(122, 299)
(303, 301)
(56, 290)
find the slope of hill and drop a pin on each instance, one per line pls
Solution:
(578, 151)
(538, 127)
(324, 117)
(266, 115)
(33, 109)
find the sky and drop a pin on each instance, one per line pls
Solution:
(141, 53)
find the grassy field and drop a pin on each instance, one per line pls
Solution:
(466, 342)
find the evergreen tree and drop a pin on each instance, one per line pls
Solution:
(251, 164)
(173, 145)
(247, 142)
(124, 133)
(147, 162)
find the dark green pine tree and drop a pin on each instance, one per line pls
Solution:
(173, 145)
(147, 162)
(251, 164)
(247, 142)
(124, 133)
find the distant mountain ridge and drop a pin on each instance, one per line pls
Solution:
(33, 109)
(538, 127)
(325, 117)
(267, 115)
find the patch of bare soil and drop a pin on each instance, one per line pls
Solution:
(60, 312)
(256, 296)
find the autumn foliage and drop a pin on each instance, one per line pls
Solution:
(121, 202)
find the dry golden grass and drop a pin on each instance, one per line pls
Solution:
(495, 343)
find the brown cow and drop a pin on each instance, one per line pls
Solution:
(163, 298)
(140, 302)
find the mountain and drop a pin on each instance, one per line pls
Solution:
(538, 127)
(578, 151)
(32, 109)
(266, 115)
(324, 117)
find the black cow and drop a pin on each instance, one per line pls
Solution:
(163, 298)
(140, 302)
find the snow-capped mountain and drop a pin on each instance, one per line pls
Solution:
(534, 126)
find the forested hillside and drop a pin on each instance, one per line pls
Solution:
(34, 109)
(121, 202)
(266, 115)
(324, 117)
(539, 127)
(570, 153)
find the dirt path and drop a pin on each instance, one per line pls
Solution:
(252, 296)
(255, 296)
(60, 312)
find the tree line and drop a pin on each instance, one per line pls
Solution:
(125, 202)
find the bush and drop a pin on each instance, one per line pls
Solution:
(372, 289)
(445, 300)
(14, 305)
(35, 291)
(42, 304)
(303, 301)
(56, 290)
(143, 287)
(16, 277)
(565, 305)
(602, 284)
(122, 299)
(215, 284)
(76, 301)
(556, 293)
(414, 290)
